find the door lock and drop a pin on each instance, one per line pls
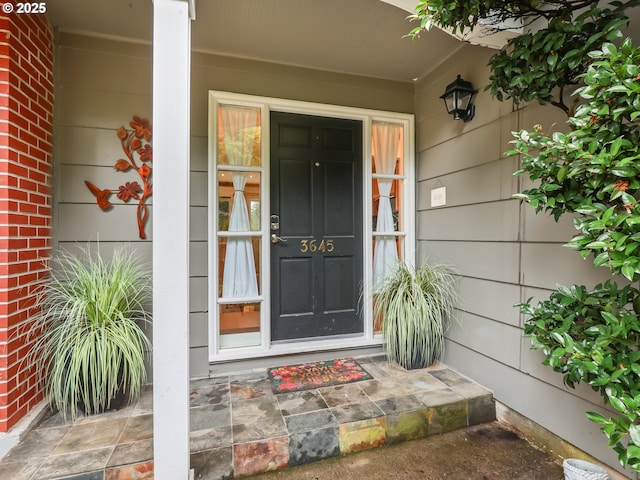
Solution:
(275, 222)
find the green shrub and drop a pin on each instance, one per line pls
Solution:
(592, 173)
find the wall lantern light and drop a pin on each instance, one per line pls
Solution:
(457, 98)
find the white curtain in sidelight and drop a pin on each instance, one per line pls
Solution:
(386, 140)
(239, 125)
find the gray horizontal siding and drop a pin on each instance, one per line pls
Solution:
(490, 299)
(493, 221)
(487, 182)
(484, 260)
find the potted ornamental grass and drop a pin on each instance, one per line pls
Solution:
(90, 345)
(415, 307)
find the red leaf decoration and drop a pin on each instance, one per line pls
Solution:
(145, 171)
(122, 133)
(141, 127)
(101, 195)
(132, 142)
(128, 191)
(146, 153)
(122, 165)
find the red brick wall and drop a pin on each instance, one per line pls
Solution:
(26, 125)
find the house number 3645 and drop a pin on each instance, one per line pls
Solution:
(313, 246)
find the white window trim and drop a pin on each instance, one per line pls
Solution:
(367, 117)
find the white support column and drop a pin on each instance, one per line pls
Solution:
(171, 97)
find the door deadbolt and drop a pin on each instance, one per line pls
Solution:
(275, 222)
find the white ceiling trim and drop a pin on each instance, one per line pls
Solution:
(359, 37)
(480, 36)
(408, 5)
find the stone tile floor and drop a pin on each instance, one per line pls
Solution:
(239, 427)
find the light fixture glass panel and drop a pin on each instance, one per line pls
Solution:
(450, 102)
(465, 98)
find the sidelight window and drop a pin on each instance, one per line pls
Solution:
(388, 176)
(238, 224)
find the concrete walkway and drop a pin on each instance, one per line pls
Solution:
(482, 452)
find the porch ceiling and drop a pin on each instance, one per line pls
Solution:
(361, 37)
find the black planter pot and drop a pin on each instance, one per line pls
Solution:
(119, 401)
(418, 361)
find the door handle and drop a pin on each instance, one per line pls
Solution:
(275, 239)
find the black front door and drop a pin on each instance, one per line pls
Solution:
(316, 226)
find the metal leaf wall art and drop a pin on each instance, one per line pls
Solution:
(135, 143)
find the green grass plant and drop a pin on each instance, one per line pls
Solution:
(415, 306)
(91, 344)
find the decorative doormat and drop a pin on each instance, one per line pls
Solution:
(292, 378)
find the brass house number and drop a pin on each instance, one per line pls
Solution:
(313, 246)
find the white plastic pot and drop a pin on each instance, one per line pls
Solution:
(575, 469)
